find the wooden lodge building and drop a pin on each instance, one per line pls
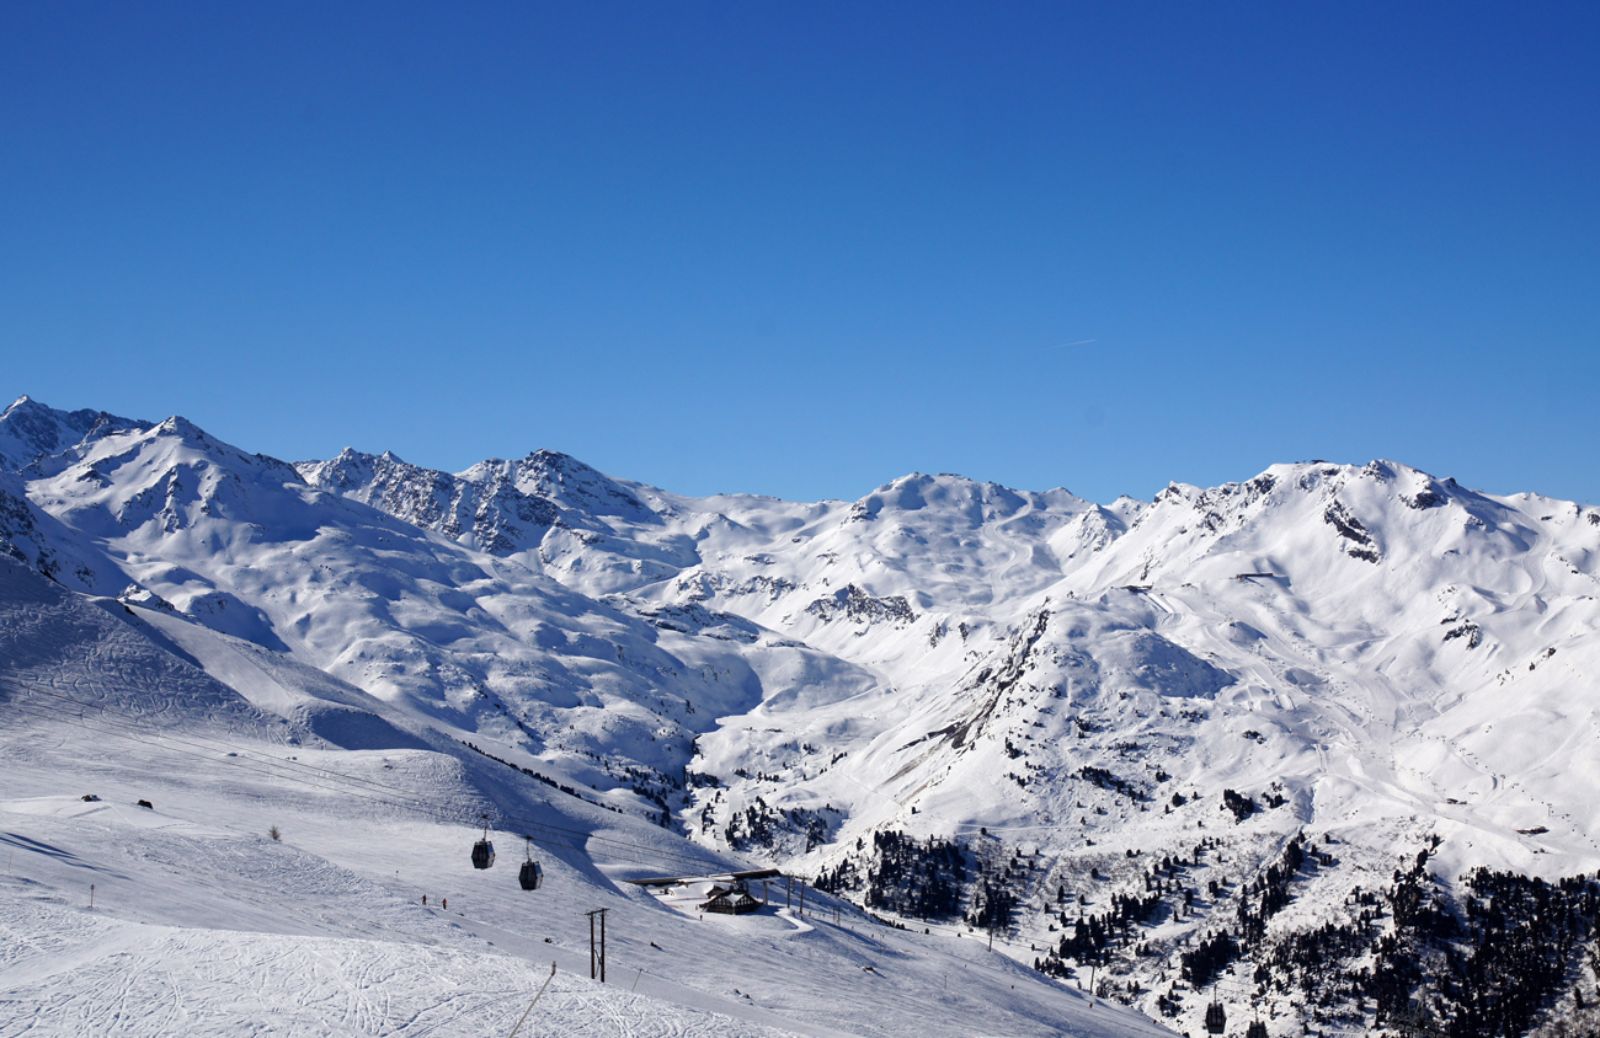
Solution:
(725, 894)
(734, 900)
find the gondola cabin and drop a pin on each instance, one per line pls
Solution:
(483, 850)
(530, 875)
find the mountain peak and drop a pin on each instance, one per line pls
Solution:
(975, 502)
(561, 477)
(177, 425)
(31, 430)
(558, 461)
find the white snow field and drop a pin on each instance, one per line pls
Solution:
(1370, 656)
(203, 924)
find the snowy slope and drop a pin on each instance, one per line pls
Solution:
(202, 924)
(1089, 705)
(1389, 655)
(453, 637)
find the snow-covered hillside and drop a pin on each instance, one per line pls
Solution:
(146, 761)
(1216, 746)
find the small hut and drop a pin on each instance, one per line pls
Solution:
(730, 900)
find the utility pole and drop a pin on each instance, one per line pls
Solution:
(599, 961)
(788, 892)
(802, 899)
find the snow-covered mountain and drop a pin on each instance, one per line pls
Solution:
(1251, 744)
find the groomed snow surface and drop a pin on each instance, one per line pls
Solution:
(202, 924)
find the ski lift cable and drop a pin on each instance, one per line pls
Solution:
(200, 740)
(401, 799)
(106, 726)
(275, 762)
(234, 748)
(187, 738)
(279, 763)
(418, 806)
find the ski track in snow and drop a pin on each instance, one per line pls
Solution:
(152, 981)
(203, 926)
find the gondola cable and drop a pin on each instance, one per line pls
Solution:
(283, 770)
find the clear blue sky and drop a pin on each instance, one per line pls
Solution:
(804, 248)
